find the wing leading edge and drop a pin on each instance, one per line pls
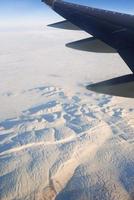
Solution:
(113, 28)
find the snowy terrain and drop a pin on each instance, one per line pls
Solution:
(59, 140)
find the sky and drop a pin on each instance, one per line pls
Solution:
(34, 11)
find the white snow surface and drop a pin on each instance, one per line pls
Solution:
(59, 140)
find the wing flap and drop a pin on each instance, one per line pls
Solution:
(64, 25)
(121, 86)
(91, 45)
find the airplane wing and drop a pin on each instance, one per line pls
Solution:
(113, 28)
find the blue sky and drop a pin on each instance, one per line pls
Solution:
(34, 10)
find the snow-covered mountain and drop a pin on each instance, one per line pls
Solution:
(59, 140)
